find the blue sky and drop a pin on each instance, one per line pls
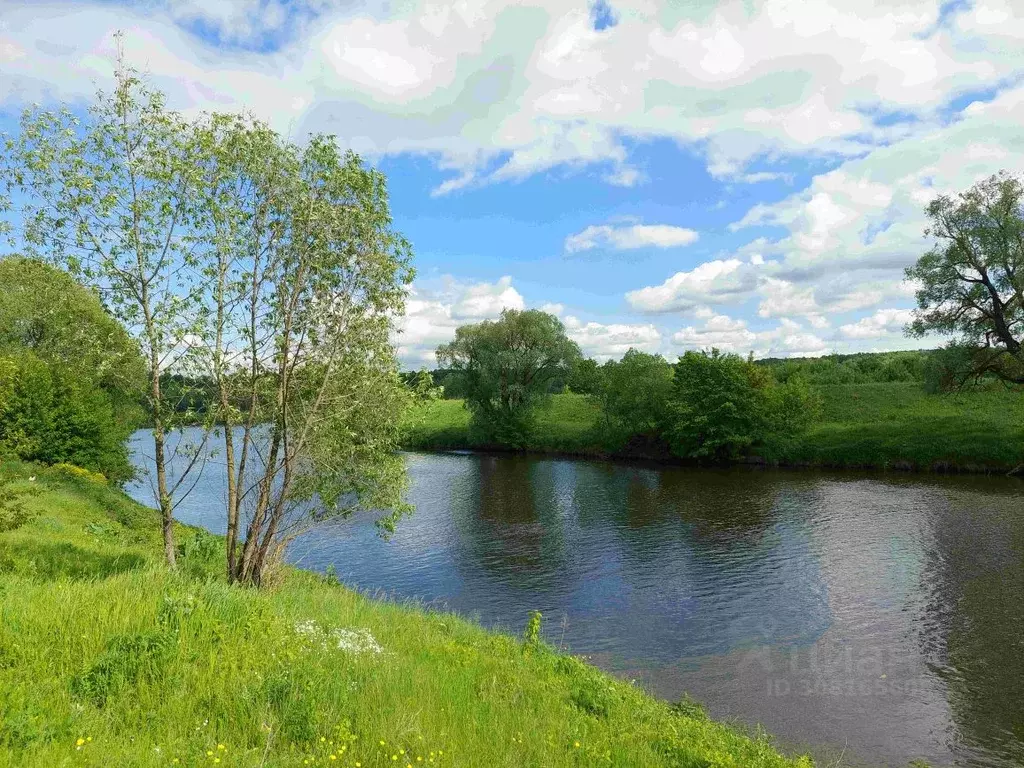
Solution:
(749, 175)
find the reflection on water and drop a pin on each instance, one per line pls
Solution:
(879, 617)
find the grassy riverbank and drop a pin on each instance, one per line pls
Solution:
(894, 425)
(108, 659)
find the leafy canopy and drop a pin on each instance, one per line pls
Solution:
(635, 393)
(723, 405)
(507, 366)
(45, 310)
(70, 377)
(972, 280)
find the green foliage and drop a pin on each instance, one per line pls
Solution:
(635, 393)
(507, 367)
(723, 405)
(13, 513)
(43, 309)
(51, 415)
(531, 634)
(261, 279)
(716, 408)
(70, 375)
(862, 425)
(127, 661)
(859, 368)
(118, 197)
(585, 377)
(972, 280)
(143, 667)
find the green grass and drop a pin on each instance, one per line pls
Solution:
(108, 659)
(900, 425)
(895, 425)
(564, 424)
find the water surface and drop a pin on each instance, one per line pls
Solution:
(875, 616)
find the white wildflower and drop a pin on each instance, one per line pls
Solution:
(356, 641)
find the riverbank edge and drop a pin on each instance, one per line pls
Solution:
(749, 462)
(105, 523)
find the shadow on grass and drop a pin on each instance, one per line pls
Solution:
(64, 560)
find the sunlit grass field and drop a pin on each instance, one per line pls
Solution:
(895, 425)
(900, 425)
(107, 659)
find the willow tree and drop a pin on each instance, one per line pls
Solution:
(305, 277)
(507, 366)
(115, 196)
(972, 281)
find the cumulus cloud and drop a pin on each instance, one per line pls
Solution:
(713, 282)
(545, 88)
(884, 322)
(612, 341)
(787, 339)
(629, 237)
(435, 309)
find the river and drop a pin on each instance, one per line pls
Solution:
(877, 617)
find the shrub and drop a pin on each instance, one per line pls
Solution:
(722, 405)
(48, 415)
(635, 395)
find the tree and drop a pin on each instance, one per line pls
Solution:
(635, 394)
(972, 281)
(117, 197)
(584, 377)
(305, 277)
(50, 415)
(46, 311)
(507, 366)
(722, 405)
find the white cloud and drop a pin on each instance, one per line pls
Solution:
(729, 334)
(711, 283)
(720, 332)
(629, 237)
(612, 341)
(884, 322)
(435, 309)
(487, 300)
(500, 101)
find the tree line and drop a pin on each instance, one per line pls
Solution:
(715, 405)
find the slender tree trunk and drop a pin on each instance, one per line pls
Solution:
(165, 501)
(229, 456)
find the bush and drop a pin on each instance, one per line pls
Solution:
(722, 405)
(49, 416)
(635, 394)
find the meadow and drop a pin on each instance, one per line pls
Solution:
(893, 425)
(109, 659)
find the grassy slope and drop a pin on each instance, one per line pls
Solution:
(899, 424)
(107, 659)
(876, 425)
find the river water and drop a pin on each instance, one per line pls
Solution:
(879, 618)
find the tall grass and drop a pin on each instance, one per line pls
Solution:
(107, 659)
